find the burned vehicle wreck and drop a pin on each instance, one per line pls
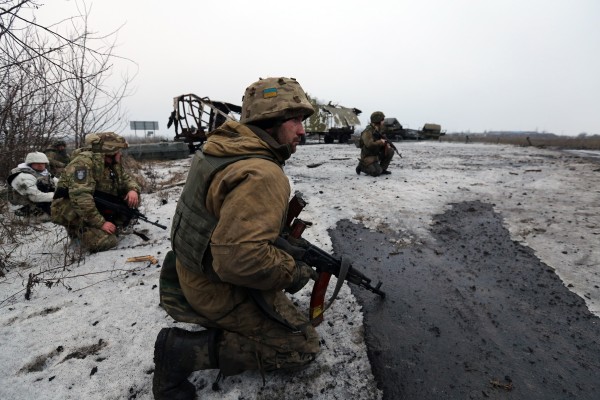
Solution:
(194, 116)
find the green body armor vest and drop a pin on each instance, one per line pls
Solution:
(193, 224)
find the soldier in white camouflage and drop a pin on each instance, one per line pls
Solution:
(375, 153)
(225, 272)
(95, 168)
(31, 186)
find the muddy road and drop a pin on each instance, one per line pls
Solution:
(471, 314)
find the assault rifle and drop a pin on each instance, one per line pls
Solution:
(324, 263)
(379, 135)
(114, 204)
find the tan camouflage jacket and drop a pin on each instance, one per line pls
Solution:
(84, 175)
(250, 199)
(369, 150)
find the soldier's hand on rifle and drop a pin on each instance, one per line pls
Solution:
(298, 242)
(109, 227)
(302, 275)
(132, 199)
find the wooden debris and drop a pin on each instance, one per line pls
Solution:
(152, 259)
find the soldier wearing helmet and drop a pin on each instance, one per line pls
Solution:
(231, 275)
(375, 152)
(58, 157)
(95, 170)
(31, 186)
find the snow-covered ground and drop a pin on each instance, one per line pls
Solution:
(89, 327)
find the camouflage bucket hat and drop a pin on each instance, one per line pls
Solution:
(377, 117)
(105, 142)
(275, 98)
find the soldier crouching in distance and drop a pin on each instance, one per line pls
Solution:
(375, 152)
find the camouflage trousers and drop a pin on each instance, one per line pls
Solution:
(253, 341)
(375, 166)
(94, 239)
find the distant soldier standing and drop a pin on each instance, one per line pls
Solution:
(375, 153)
(95, 168)
(58, 157)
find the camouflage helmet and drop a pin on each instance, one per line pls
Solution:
(377, 117)
(59, 142)
(36, 157)
(275, 98)
(105, 142)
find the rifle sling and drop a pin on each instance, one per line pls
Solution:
(344, 268)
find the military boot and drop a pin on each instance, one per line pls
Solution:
(177, 353)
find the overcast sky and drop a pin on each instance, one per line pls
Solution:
(469, 65)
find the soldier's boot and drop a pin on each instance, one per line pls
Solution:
(177, 353)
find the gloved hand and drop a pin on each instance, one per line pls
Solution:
(302, 275)
(299, 242)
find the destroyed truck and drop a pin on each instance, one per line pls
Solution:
(333, 122)
(194, 116)
(432, 131)
(396, 132)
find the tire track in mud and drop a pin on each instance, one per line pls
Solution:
(471, 314)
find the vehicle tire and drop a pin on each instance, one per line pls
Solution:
(328, 139)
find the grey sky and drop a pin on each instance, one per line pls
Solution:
(469, 65)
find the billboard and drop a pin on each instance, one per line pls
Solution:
(143, 125)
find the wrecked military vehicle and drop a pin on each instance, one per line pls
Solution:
(333, 122)
(394, 131)
(194, 116)
(432, 131)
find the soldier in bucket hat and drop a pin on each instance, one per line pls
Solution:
(95, 168)
(58, 157)
(225, 273)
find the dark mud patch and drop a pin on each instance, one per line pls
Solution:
(471, 315)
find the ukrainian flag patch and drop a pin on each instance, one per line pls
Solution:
(269, 92)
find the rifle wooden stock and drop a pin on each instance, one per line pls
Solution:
(324, 263)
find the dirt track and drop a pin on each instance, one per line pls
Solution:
(472, 314)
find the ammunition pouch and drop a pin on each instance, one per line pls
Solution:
(172, 298)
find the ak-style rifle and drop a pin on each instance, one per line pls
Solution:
(380, 135)
(324, 263)
(107, 201)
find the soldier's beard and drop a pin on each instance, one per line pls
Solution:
(110, 160)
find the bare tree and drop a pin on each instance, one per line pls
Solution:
(54, 85)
